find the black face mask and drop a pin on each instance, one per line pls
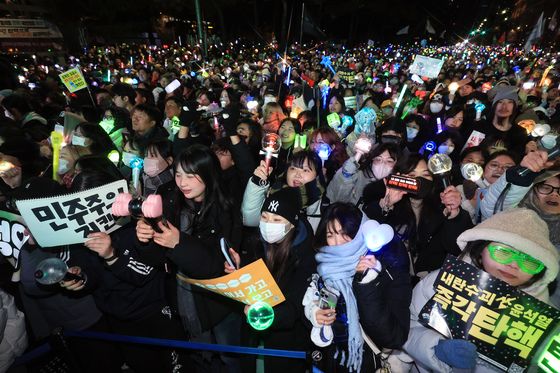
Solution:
(390, 139)
(425, 189)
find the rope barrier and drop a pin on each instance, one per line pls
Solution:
(188, 345)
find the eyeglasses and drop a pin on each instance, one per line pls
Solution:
(379, 160)
(495, 166)
(505, 255)
(546, 189)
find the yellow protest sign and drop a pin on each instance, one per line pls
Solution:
(73, 80)
(250, 284)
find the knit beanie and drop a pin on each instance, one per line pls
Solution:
(521, 229)
(506, 93)
(286, 202)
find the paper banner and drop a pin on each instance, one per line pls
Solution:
(250, 284)
(507, 325)
(426, 66)
(475, 139)
(69, 219)
(73, 80)
(12, 237)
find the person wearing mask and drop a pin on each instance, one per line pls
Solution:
(157, 168)
(303, 172)
(92, 137)
(117, 124)
(287, 252)
(373, 292)
(493, 246)
(365, 167)
(197, 215)
(426, 222)
(69, 155)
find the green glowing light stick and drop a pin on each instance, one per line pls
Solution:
(260, 316)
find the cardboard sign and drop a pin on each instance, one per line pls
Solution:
(475, 139)
(250, 284)
(347, 75)
(69, 219)
(426, 66)
(350, 102)
(12, 236)
(507, 325)
(73, 80)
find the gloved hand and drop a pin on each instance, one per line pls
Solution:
(457, 353)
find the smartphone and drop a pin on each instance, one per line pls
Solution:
(225, 245)
(327, 299)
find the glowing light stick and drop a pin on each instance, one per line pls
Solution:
(549, 360)
(324, 151)
(472, 171)
(440, 165)
(107, 125)
(114, 157)
(5, 166)
(399, 100)
(543, 81)
(252, 104)
(375, 237)
(301, 141)
(479, 107)
(387, 89)
(325, 88)
(412, 104)
(53, 270)
(260, 315)
(270, 147)
(540, 130)
(453, 87)
(56, 142)
(439, 126)
(136, 164)
(326, 61)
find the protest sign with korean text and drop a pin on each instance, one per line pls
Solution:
(426, 66)
(249, 284)
(12, 236)
(73, 79)
(507, 325)
(70, 218)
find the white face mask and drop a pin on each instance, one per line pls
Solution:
(436, 107)
(63, 166)
(411, 133)
(273, 232)
(381, 171)
(78, 140)
(445, 149)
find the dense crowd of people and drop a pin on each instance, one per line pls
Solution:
(345, 120)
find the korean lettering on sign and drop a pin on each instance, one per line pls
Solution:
(71, 218)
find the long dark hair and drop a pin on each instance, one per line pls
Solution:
(347, 214)
(201, 161)
(277, 255)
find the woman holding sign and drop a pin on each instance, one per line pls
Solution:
(196, 215)
(287, 252)
(511, 246)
